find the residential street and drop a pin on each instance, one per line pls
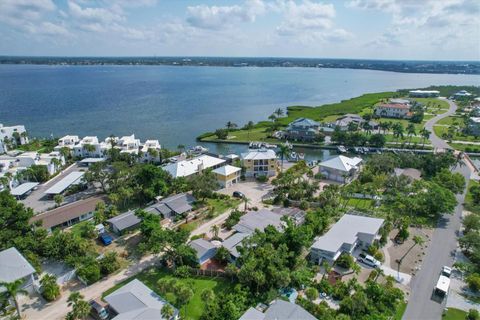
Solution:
(421, 303)
(437, 142)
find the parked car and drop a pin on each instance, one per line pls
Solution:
(98, 311)
(446, 271)
(105, 238)
(238, 194)
(371, 261)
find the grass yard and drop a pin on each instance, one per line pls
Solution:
(454, 314)
(465, 147)
(360, 203)
(196, 305)
(219, 206)
(400, 311)
(434, 103)
(458, 136)
(450, 120)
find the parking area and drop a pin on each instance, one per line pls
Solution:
(253, 190)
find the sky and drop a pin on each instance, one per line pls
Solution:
(369, 29)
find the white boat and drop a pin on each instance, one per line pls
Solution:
(199, 149)
(293, 156)
(301, 156)
(341, 149)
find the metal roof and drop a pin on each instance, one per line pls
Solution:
(346, 230)
(135, 301)
(258, 220)
(23, 188)
(201, 247)
(13, 265)
(233, 242)
(60, 186)
(283, 310)
(341, 163)
(92, 160)
(125, 220)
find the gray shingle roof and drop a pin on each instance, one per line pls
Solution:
(135, 301)
(178, 203)
(13, 265)
(201, 246)
(231, 243)
(258, 220)
(284, 310)
(125, 220)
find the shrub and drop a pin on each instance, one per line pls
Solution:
(182, 272)
(109, 263)
(50, 288)
(262, 179)
(345, 261)
(89, 271)
(373, 275)
(473, 281)
(232, 219)
(222, 254)
(379, 256)
(473, 315)
(304, 205)
(311, 293)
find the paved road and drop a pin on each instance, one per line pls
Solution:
(422, 305)
(437, 142)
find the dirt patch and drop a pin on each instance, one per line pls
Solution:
(413, 255)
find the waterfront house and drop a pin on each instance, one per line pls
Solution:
(67, 142)
(277, 310)
(189, 167)
(90, 147)
(345, 121)
(340, 169)
(302, 129)
(67, 215)
(259, 162)
(151, 151)
(462, 94)
(227, 175)
(13, 267)
(128, 144)
(423, 93)
(393, 110)
(204, 250)
(135, 301)
(473, 127)
(12, 135)
(349, 233)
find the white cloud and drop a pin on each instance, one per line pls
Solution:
(219, 17)
(309, 22)
(20, 14)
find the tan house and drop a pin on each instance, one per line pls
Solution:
(261, 162)
(227, 175)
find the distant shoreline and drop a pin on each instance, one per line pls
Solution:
(429, 67)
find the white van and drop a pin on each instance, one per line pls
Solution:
(443, 283)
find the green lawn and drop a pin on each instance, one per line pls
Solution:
(360, 203)
(454, 314)
(465, 147)
(400, 311)
(219, 206)
(434, 103)
(450, 120)
(459, 136)
(196, 305)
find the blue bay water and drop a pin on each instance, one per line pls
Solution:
(176, 104)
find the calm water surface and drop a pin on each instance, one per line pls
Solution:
(176, 104)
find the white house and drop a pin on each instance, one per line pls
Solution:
(227, 175)
(28, 159)
(90, 147)
(13, 266)
(340, 169)
(423, 93)
(13, 134)
(186, 168)
(67, 142)
(128, 144)
(147, 154)
(393, 110)
(349, 233)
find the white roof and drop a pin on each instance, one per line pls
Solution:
(260, 154)
(475, 119)
(23, 188)
(186, 168)
(341, 163)
(227, 170)
(66, 182)
(136, 301)
(13, 265)
(443, 283)
(424, 91)
(346, 230)
(92, 160)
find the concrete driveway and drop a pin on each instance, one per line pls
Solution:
(253, 190)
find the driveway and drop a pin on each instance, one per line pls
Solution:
(440, 253)
(437, 142)
(37, 308)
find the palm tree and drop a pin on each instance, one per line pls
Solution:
(283, 150)
(230, 125)
(80, 308)
(181, 147)
(272, 117)
(12, 290)
(246, 201)
(279, 112)
(167, 311)
(425, 135)
(327, 268)
(411, 131)
(398, 130)
(214, 230)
